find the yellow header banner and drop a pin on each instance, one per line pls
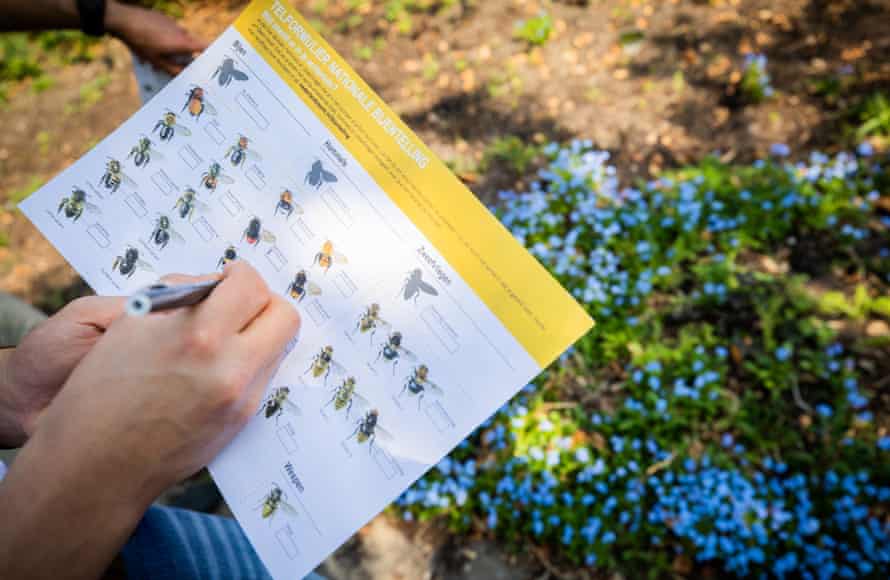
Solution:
(527, 300)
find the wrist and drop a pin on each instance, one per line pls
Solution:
(117, 17)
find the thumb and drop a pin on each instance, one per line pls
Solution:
(96, 311)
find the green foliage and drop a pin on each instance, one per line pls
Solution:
(534, 31)
(26, 56)
(873, 115)
(511, 151)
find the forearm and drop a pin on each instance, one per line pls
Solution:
(55, 14)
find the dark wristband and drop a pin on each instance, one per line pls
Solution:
(92, 16)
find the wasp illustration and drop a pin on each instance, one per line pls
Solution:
(415, 284)
(277, 401)
(114, 176)
(163, 232)
(167, 127)
(74, 204)
(286, 204)
(274, 500)
(301, 286)
(318, 176)
(326, 257)
(227, 71)
(129, 262)
(239, 152)
(213, 176)
(254, 232)
(418, 384)
(229, 255)
(142, 152)
(187, 203)
(345, 396)
(197, 104)
(368, 429)
(323, 363)
(370, 320)
(392, 351)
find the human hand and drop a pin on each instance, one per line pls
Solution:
(32, 373)
(153, 36)
(157, 397)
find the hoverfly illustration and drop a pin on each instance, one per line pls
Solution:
(167, 127)
(345, 396)
(318, 175)
(415, 284)
(287, 205)
(74, 204)
(323, 363)
(229, 255)
(227, 71)
(301, 286)
(392, 351)
(114, 176)
(369, 321)
(143, 151)
(163, 232)
(187, 203)
(254, 232)
(419, 383)
(127, 264)
(274, 500)
(239, 152)
(326, 257)
(214, 176)
(196, 103)
(368, 429)
(277, 401)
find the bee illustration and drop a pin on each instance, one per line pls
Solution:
(227, 71)
(254, 232)
(277, 401)
(326, 257)
(414, 284)
(74, 204)
(229, 255)
(392, 351)
(418, 384)
(274, 500)
(167, 127)
(114, 176)
(239, 152)
(368, 429)
(318, 176)
(302, 286)
(197, 104)
(369, 321)
(163, 232)
(213, 176)
(345, 396)
(187, 204)
(323, 363)
(286, 204)
(142, 152)
(130, 262)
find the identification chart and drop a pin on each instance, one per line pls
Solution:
(421, 314)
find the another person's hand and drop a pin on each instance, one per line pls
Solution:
(32, 373)
(153, 36)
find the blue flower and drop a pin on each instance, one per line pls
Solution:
(779, 150)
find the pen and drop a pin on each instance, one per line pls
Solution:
(159, 297)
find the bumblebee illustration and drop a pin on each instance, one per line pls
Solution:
(187, 204)
(419, 383)
(114, 176)
(167, 127)
(229, 255)
(197, 104)
(254, 232)
(275, 404)
(318, 176)
(273, 501)
(286, 204)
(301, 286)
(239, 152)
(227, 72)
(368, 429)
(142, 152)
(345, 396)
(213, 176)
(74, 205)
(415, 284)
(163, 232)
(392, 351)
(323, 363)
(369, 321)
(127, 264)
(326, 257)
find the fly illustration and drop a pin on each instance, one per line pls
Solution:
(414, 285)
(227, 72)
(318, 176)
